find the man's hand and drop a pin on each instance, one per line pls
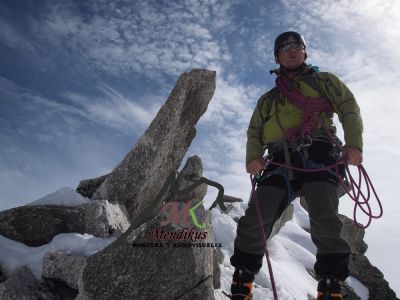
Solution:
(255, 166)
(352, 156)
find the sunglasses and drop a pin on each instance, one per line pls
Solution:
(294, 46)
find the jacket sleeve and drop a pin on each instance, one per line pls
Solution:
(345, 105)
(255, 145)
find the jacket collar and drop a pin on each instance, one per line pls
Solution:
(306, 70)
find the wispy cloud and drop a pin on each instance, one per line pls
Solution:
(114, 109)
(110, 109)
(354, 39)
(151, 38)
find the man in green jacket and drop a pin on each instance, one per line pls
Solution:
(284, 128)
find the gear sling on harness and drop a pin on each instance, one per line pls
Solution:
(299, 139)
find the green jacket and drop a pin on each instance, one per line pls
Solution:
(264, 128)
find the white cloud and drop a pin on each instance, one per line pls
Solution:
(114, 110)
(143, 37)
(111, 109)
(355, 39)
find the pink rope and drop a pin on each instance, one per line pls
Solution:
(262, 232)
(309, 106)
(354, 193)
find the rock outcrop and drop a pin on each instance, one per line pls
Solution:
(137, 258)
(286, 216)
(168, 256)
(191, 172)
(354, 235)
(371, 277)
(23, 285)
(88, 186)
(37, 225)
(139, 176)
(64, 267)
(359, 265)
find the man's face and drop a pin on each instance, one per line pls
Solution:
(291, 55)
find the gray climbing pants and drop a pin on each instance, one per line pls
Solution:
(322, 201)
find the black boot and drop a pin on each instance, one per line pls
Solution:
(242, 284)
(329, 289)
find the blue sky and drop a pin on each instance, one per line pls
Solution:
(80, 81)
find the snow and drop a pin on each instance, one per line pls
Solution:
(292, 255)
(14, 254)
(358, 287)
(66, 196)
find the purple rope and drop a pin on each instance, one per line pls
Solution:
(262, 232)
(355, 196)
(355, 192)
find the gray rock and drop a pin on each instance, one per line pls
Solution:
(354, 235)
(136, 269)
(105, 219)
(37, 225)
(64, 267)
(216, 270)
(60, 289)
(230, 199)
(218, 259)
(287, 215)
(371, 277)
(229, 208)
(3, 276)
(23, 285)
(191, 172)
(140, 257)
(88, 186)
(303, 203)
(220, 256)
(229, 204)
(348, 292)
(139, 176)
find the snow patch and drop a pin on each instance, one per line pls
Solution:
(14, 254)
(66, 196)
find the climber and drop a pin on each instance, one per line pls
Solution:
(294, 122)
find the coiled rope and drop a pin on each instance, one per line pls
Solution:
(354, 192)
